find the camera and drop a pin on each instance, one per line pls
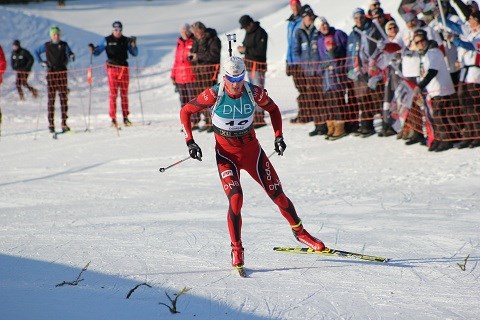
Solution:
(232, 37)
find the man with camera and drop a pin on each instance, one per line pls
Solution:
(254, 47)
(117, 47)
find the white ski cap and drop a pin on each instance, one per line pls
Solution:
(234, 67)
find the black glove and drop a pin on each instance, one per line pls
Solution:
(291, 69)
(133, 41)
(91, 47)
(194, 150)
(280, 145)
(72, 57)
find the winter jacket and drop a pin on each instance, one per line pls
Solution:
(3, 64)
(359, 48)
(117, 49)
(208, 48)
(333, 62)
(294, 23)
(57, 55)
(340, 39)
(305, 50)
(255, 43)
(182, 70)
(21, 60)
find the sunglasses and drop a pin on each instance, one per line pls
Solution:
(392, 27)
(235, 79)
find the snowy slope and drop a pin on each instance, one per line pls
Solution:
(97, 197)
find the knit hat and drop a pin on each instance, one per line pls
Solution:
(319, 21)
(117, 24)
(389, 23)
(409, 16)
(358, 11)
(306, 10)
(295, 2)
(16, 43)
(53, 30)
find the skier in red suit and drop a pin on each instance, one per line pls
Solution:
(232, 104)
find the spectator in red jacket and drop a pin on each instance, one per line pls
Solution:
(3, 64)
(3, 67)
(182, 74)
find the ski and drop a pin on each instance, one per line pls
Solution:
(241, 271)
(332, 252)
(56, 134)
(139, 124)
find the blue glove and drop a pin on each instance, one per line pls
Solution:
(194, 150)
(280, 145)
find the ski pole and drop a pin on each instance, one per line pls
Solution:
(173, 164)
(89, 80)
(139, 91)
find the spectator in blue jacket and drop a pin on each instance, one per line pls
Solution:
(294, 22)
(309, 83)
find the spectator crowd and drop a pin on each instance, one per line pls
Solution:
(419, 82)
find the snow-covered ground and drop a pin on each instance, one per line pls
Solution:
(98, 198)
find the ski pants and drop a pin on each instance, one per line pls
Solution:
(252, 159)
(57, 82)
(118, 79)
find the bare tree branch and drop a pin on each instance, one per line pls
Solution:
(76, 281)
(136, 287)
(173, 308)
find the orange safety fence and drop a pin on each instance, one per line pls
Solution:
(326, 90)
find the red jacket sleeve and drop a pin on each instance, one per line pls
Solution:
(204, 100)
(3, 62)
(265, 102)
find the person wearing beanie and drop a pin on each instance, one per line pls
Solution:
(308, 82)
(117, 48)
(57, 55)
(237, 148)
(254, 47)
(291, 65)
(205, 55)
(366, 100)
(332, 49)
(22, 61)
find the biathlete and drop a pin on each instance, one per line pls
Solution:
(232, 104)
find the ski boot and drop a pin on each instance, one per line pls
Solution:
(304, 237)
(237, 254)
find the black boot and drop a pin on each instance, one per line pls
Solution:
(416, 138)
